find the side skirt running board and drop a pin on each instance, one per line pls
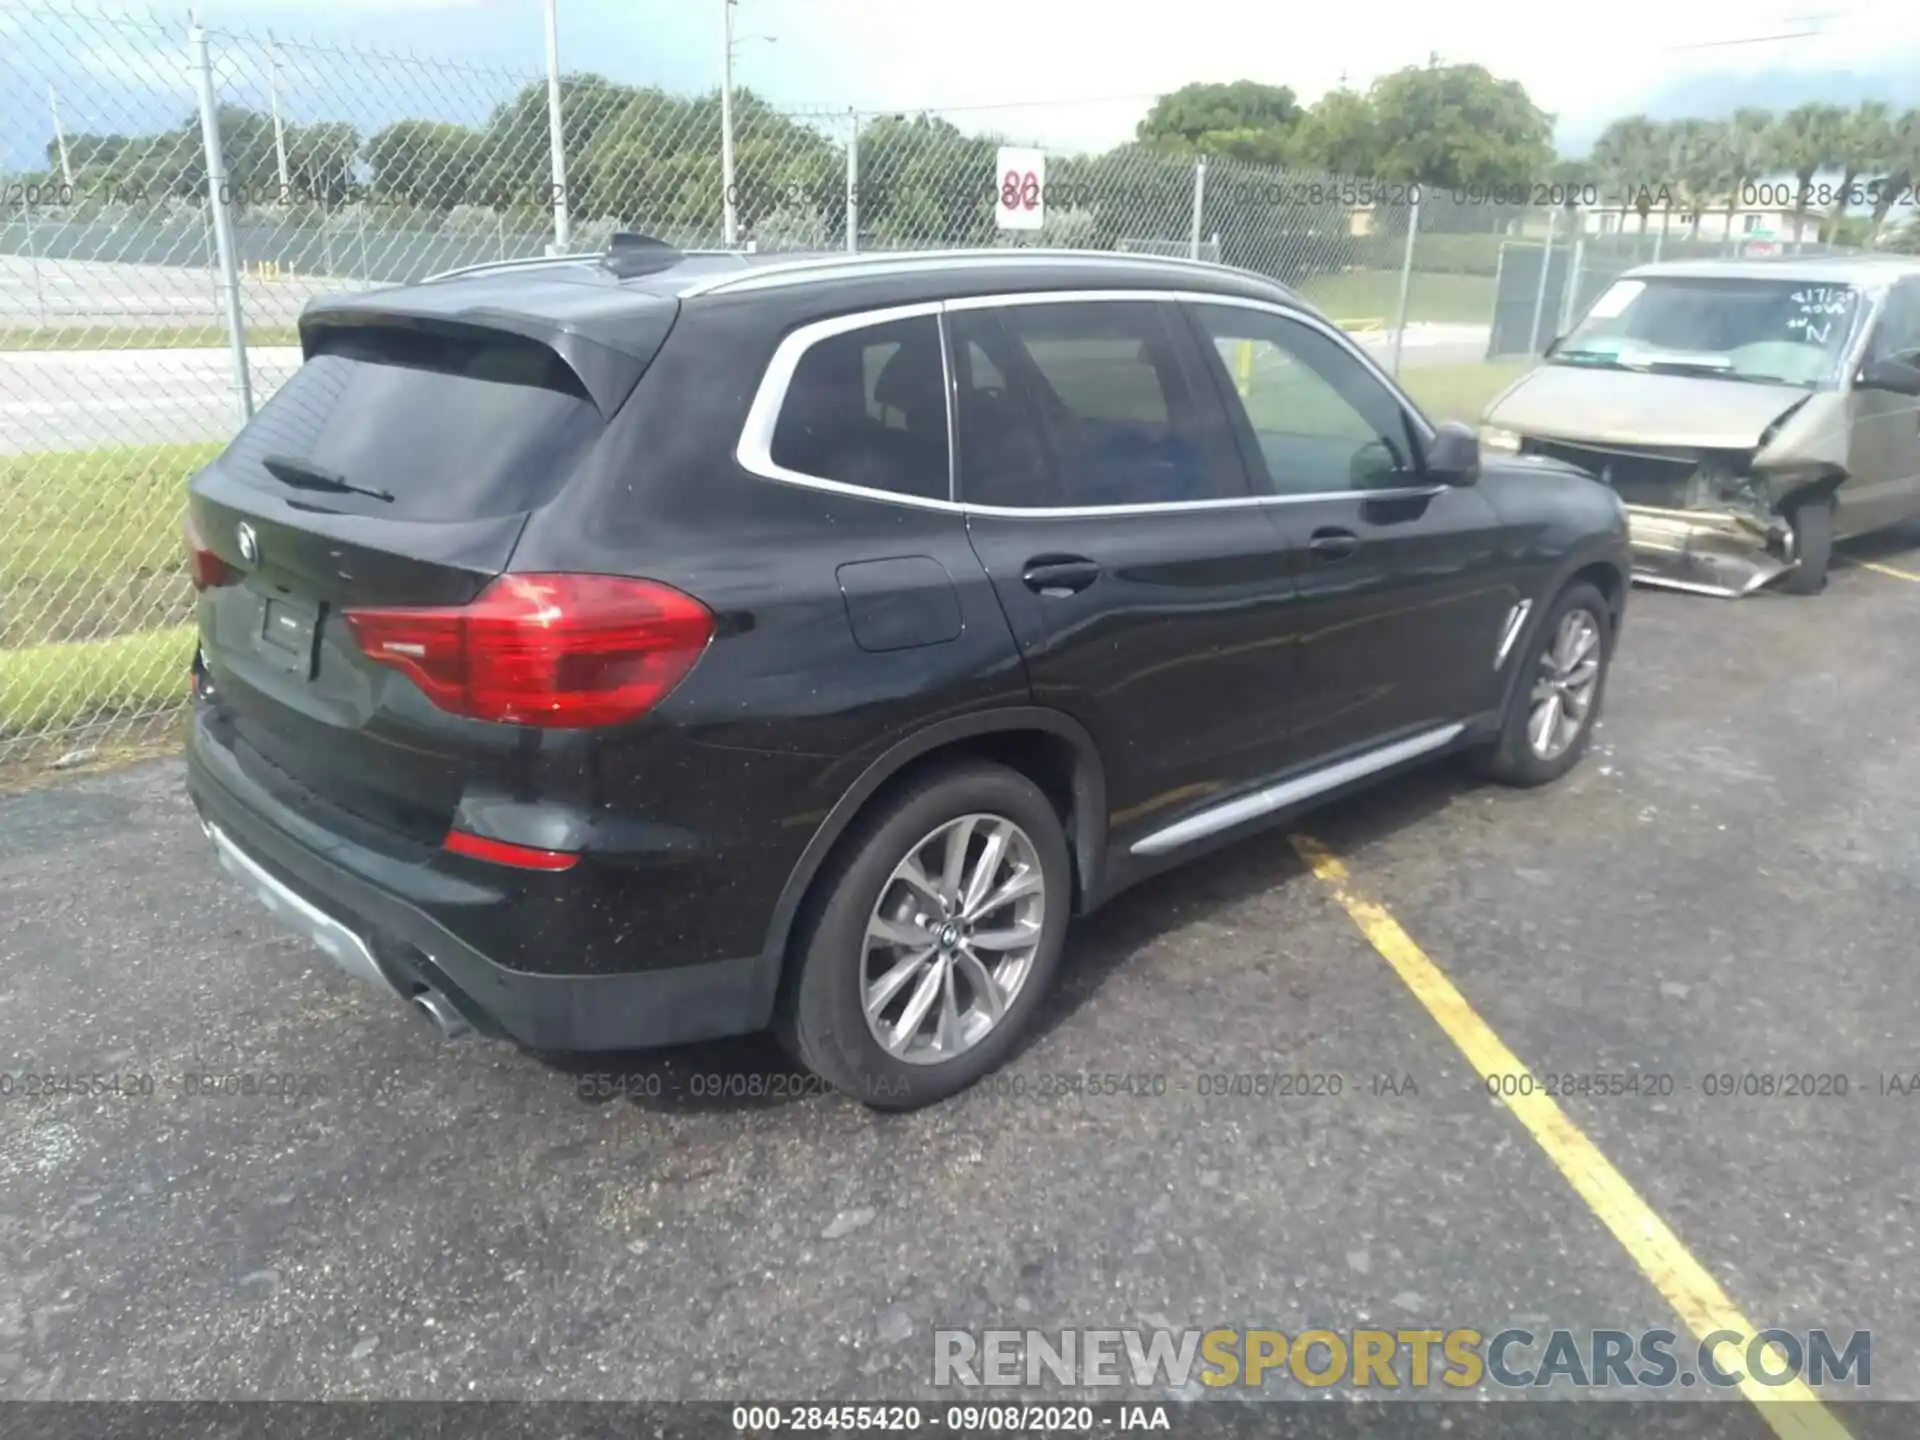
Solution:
(1230, 813)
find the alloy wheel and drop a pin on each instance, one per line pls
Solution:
(1563, 691)
(952, 939)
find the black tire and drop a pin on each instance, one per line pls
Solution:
(1511, 759)
(1812, 522)
(821, 1017)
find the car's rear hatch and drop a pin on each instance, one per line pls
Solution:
(397, 467)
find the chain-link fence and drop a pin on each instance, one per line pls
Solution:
(173, 198)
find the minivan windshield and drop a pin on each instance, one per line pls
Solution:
(1790, 332)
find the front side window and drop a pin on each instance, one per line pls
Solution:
(1763, 330)
(868, 407)
(1322, 421)
(1085, 404)
(1896, 335)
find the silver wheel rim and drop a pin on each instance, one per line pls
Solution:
(952, 939)
(1563, 691)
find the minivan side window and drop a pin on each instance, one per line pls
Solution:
(868, 407)
(1897, 334)
(1086, 404)
(1321, 421)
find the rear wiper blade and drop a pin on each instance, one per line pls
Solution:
(304, 475)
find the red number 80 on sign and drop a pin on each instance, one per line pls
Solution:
(1020, 191)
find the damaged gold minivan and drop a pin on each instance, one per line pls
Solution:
(1748, 413)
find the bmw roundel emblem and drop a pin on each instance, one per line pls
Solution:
(249, 542)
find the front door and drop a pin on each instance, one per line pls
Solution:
(1399, 595)
(1146, 585)
(1883, 460)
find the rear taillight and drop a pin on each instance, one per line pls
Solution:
(209, 571)
(557, 650)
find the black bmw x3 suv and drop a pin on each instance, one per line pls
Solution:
(622, 650)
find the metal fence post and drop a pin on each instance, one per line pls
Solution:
(1570, 296)
(853, 184)
(1199, 205)
(217, 196)
(33, 260)
(1660, 235)
(556, 136)
(1406, 285)
(1540, 294)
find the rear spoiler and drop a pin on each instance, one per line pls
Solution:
(606, 336)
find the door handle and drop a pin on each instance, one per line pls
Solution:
(1060, 575)
(1330, 543)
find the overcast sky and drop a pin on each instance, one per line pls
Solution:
(1073, 74)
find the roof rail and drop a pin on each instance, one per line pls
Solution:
(524, 262)
(779, 272)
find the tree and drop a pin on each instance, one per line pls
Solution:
(1245, 120)
(1810, 138)
(1695, 161)
(425, 163)
(1903, 156)
(1339, 135)
(518, 170)
(1630, 155)
(923, 181)
(320, 161)
(1458, 127)
(1747, 148)
(1866, 147)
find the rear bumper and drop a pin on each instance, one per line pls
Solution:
(1709, 551)
(375, 917)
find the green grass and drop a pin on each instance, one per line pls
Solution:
(144, 337)
(1460, 392)
(94, 596)
(55, 687)
(1432, 298)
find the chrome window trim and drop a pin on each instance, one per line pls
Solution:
(754, 450)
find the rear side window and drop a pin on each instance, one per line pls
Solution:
(868, 407)
(420, 427)
(1086, 403)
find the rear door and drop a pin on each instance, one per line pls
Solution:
(1884, 448)
(1144, 582)
(396, 467)
(1400, 598)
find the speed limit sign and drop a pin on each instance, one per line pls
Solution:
(1020, 189)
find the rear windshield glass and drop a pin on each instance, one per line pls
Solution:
(420, 427)
(1775, 331)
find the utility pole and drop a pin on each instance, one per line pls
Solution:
(556, 135)
(730, 223)
(60, 138)
(279, 124)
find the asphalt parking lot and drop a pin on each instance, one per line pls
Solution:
(1729, 885)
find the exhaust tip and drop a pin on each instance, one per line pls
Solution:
(451, 1024)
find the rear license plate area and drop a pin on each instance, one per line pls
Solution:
(290, 635)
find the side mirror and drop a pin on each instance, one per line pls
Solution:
(1454, 456)
(1894, 375)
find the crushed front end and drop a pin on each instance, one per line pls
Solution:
(1700, 520)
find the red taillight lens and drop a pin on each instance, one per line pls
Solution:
(500, 852)
(554, 650)
(209, 571)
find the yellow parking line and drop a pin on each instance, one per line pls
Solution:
(1790, 1410)
(1879, 569)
